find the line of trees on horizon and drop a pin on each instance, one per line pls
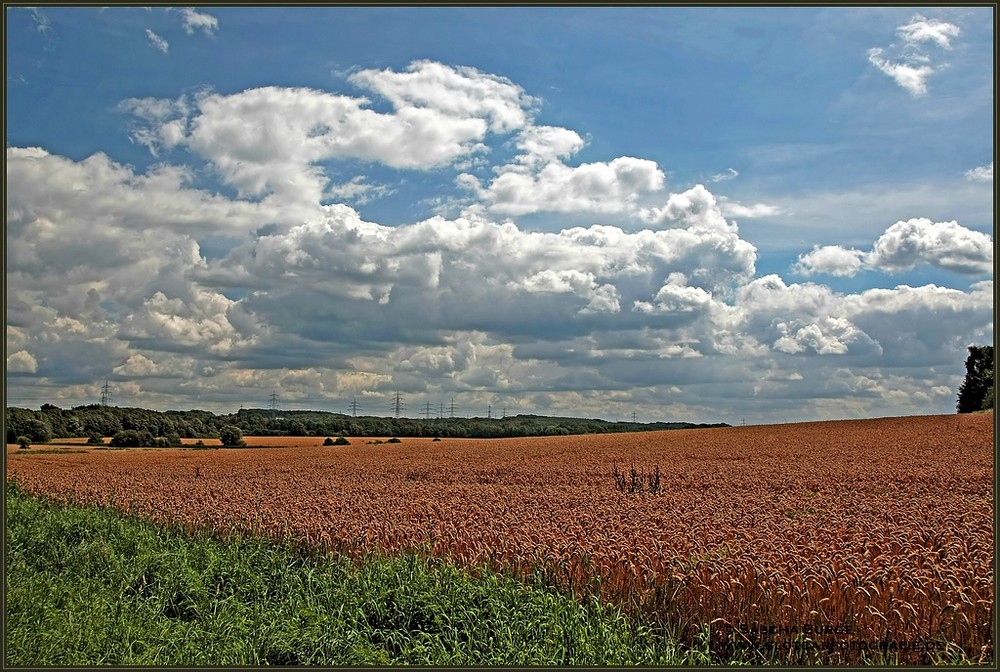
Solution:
(97, 420)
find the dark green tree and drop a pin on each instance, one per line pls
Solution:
(57, 420)
(232, 436)
(16, 422)
(988, 401)
(976, 391)
(132, 438)
(99, 420)
(39, 430)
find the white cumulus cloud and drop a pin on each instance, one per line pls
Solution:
(732, 209)
(904, 245)
(357, 190)
(193, 20)
(909, 65)
(728, 174)
(21, 361)
(829, 260)
(909, 76)
(456, 92)
(921, 29)
(270, 140)
(542, 145)
(947, 245)
(157, 42)
(613, 186)
(980, 174)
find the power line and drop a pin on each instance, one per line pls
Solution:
(452, 407)
(427, 411)
(272, 403)
(397, 403)
(354, 407)
(106, 395)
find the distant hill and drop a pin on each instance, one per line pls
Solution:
(84, 421)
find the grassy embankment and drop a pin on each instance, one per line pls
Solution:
(90, 586)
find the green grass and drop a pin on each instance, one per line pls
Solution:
(90, 586)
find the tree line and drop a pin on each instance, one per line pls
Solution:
(140, 426)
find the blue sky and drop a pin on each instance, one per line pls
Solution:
(697, 213)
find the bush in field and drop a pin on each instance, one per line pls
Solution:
(341, 441)
(131, 438)
(394, 440)
(23, 442)
(328, 442)
(232, 437)
(95, 440)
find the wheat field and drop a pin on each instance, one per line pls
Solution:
(831, 537)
